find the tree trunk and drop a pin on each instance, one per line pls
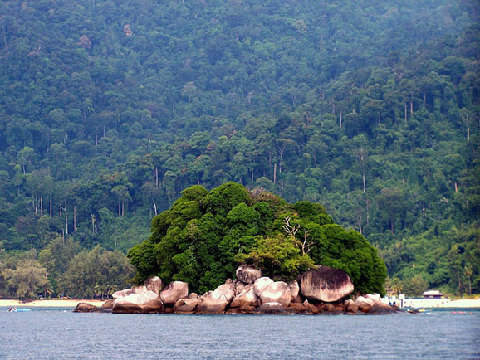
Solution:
(367, 203)
(405, 112)
(275, 173)
(74, 218)
(340, 119)
(156, 177)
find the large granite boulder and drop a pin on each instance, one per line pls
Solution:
(139, 289)
(154, 284)
(295, 291)
(325, 284)
(85, 308)
(107, 306)
(260, 284)
(121, 293)
(371, 304)
(248, 274)
(245, 298)
(274, 292)
(186, 306)
(351, 307)
(216, 301)
(302, 308)
(174, 291)
(362, 300)
(374, 297)
(141, 303)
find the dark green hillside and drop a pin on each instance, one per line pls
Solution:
(109, 109)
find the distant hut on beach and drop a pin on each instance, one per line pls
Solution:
(432, 294)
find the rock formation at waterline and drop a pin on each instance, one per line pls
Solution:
(85, 307)
(277, 292)
(147, 302)
(216, 301)
(245, 300)
(186, 306)
(174, 291)
(321, 291)
(325, 284)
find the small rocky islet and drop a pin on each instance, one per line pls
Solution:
(323, 290)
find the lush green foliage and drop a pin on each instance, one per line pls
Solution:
(96, 273)
(62, 269)
(108, 109)
(203, 237)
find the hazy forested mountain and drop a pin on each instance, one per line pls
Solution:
(109, 109)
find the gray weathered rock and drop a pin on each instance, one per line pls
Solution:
(361, 300)
(295, 291)
(139, 289)
(154, 284)
(248, 274)
(84, 308)
(121, 293)
(274, 292)
(186, 306)
(107, 305)
(216, 301)
(260, 284)
(174, 291)
(140, 303)
(245, 299)
(325, 284)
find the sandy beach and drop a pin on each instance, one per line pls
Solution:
(53, 303)
(462, 304)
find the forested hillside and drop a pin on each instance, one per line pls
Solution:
(109, 109)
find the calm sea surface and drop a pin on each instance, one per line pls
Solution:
(60, 334)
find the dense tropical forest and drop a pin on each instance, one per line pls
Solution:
(109, 109)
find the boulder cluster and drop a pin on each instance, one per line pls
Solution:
(321, 290)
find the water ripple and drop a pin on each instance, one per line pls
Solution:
(63, 335)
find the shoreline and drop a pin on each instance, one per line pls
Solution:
(72, 303)
(442, 303)
(461, 304)
(49, 303)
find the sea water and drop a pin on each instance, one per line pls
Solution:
(61, 334)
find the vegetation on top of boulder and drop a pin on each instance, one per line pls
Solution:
(204, 236)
